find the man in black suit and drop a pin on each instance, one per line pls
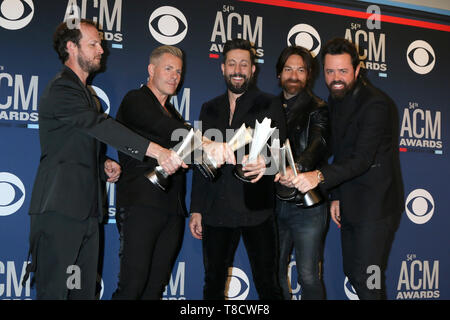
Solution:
(364, 178)
(150, 220)
(224, 210)
(66, 203)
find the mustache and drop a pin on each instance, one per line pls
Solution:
(338, 82)
(240, 75)
(294, 81)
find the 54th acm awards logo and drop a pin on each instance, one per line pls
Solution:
(371, 47)
(230, 24)
(372, 50)
(418, 279)
(108, 14)
(420, 130)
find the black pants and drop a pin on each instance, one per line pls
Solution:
(365, 246)
(64, 256)
(219, 247)
(150, 240)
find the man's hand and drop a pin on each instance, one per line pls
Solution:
(306, 181)
(335, 212)
(170, 161)
(257, 168)
(286, 180)
(112, 170)
(195, 225)
(220, 152)
(167, 159)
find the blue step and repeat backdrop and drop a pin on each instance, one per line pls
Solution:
(405, 55)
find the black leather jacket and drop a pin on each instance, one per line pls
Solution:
(308, 130)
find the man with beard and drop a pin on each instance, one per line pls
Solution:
(225, 209)
(364, 178)
(66, 203)
(307, 129)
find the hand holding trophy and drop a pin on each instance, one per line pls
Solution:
(261, 134)
(191, 142)
(308, 199)
(206, 163)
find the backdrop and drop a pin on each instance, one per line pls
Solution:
(405, 55)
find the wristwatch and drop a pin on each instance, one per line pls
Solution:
(320, 177)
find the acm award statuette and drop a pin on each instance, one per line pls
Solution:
(191, 142)
(261, 134)
(308, 199)
(279, 156)
(208, 166)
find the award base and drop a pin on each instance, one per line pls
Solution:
(304, 200)
(310, 199)
(206, 167)
(285, 193)
(239, 173)
(159, 178)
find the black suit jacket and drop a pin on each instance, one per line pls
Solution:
(70, 131)
(365, 173)
(227, 201)
(141, 111)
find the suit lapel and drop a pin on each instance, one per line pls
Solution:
(243, 105)
(345, 120)
(222, 109)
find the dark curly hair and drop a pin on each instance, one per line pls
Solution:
(65, 33)
(340, 46)
(239, 44)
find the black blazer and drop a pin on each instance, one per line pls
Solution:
(141, 111)
(70, 131)
(365, 173)
(228, 201)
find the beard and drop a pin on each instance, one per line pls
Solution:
(292, 87)
(339, 94)
(89, 66)
(237, 89)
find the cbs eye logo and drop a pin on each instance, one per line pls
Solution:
(238, 284)
(420, 56)
(306, 36)
(419, 206)
(349, 290)
(12, 193)
(168, 25)
(16, 14)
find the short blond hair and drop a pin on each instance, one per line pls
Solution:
(158, 52)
